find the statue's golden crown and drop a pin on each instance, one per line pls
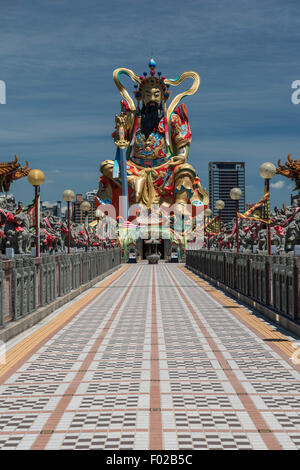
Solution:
(153, 80)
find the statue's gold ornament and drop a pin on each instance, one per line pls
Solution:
(291, 169)
(157, 139)
(10, 172)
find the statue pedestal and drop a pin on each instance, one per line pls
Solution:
(153, 259)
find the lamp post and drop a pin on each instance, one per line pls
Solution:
(236, 194)
(98, 214)
(68, 196)
(36, 178)
(220, 206)
(267, 170)
(207, 215)
(85, 206)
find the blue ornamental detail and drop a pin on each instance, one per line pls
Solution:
(152, 62)
(197, 203)
(104, 202)
(182, 188)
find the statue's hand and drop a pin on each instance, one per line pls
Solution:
(121, 127)
(121, 120)
(177, 160)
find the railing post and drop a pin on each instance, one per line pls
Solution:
(291, 286)
(2, 322)
(297, 281)
(18, 289)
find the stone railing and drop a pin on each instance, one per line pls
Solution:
(28, 283)
(271, 281)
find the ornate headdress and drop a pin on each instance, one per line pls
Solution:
(152, 81)
(161, 81)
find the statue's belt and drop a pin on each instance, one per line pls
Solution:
(144, 163)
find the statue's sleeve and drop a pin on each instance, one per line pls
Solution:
(180, 128)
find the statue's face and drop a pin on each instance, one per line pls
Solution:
(152, 95)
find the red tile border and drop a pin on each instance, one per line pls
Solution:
(155, 434)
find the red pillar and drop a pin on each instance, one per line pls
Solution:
(220, 241)
(237, 226)
(268, 225)
(37, 252)
(69, 234)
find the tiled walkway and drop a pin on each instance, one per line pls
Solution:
(150, 358)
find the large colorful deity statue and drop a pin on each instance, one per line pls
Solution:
(157, 138)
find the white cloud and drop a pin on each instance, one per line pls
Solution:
(47, 204)
(278, 185)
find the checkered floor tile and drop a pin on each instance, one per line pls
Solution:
(99, 440)
(213, 441)
(23, 442)
(28, 404)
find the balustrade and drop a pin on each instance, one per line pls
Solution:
(271, 280)
(27, 283)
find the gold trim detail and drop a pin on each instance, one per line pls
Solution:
(122, 89)
(190, 91)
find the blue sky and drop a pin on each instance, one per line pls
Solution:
(57, 60)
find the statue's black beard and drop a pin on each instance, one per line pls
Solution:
(150, 117)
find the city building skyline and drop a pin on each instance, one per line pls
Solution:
(223, 176)
(78, 216)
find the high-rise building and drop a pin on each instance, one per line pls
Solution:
(223, 176)
(77, 215)
(90, 195)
